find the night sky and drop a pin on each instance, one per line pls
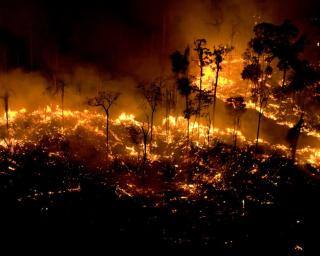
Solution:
(123, 36)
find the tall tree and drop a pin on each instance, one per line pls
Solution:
(105, 99)
(217, 56)
(184, 87)
(58, 87)
(255, 72)
(302, 82)
(152, 95)
(293, 137)
(180, 66)
(5, 98)
(236, 107)
(146, 130)
(282, 42)
(203, 60)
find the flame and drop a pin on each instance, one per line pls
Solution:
(208, 79)
(94, 123)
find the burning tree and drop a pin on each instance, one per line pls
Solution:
(105, 99)
(236, 107)
(152, 95)
(217, 56)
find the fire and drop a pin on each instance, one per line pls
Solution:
(125, 118)
(49, 119)
(208, 80)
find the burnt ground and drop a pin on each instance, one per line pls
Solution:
(56, 202)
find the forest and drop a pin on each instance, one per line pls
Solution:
(219, 151)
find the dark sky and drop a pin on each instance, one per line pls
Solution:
(126, 36)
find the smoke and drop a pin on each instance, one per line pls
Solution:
(133, 37)
(115, 45)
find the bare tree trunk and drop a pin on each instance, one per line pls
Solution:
(258, 128)
(188, 118)
(145, 141)
(208, 135)
(167, 113)
(188, 130)
(284, 77)
(107, 131)
(200, 98)
(215, 94)
(6, 108)
(62, 100)
(151, 131)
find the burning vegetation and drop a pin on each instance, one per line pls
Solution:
(219, 140)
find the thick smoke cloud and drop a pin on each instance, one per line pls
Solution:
(123, 36)
(118, 43)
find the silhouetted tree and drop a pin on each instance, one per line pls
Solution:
(236, 107)
(254, 70)
(105, 99)
(279, 41)
(180, 62)
(217, 56)
(184, 87)
(293, 137)
(206, 99)
(203, 60)
(58, 87)
(301, 85)
(304, 77)
(152, 94)
(180, 65)
(134, 135)
(146, 130)
(5, 98)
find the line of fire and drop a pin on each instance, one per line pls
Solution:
(186, 125)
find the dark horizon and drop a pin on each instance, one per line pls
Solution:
(119, 37)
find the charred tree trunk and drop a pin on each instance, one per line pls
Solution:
(284, 77)
(188, 118)
(200, 90)
(107, 130)
(258, 128)
(293, 137)
(6, 109)
(167, 113)
(145, 142)
(62, 100)
(215, 93)
(151, 130)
